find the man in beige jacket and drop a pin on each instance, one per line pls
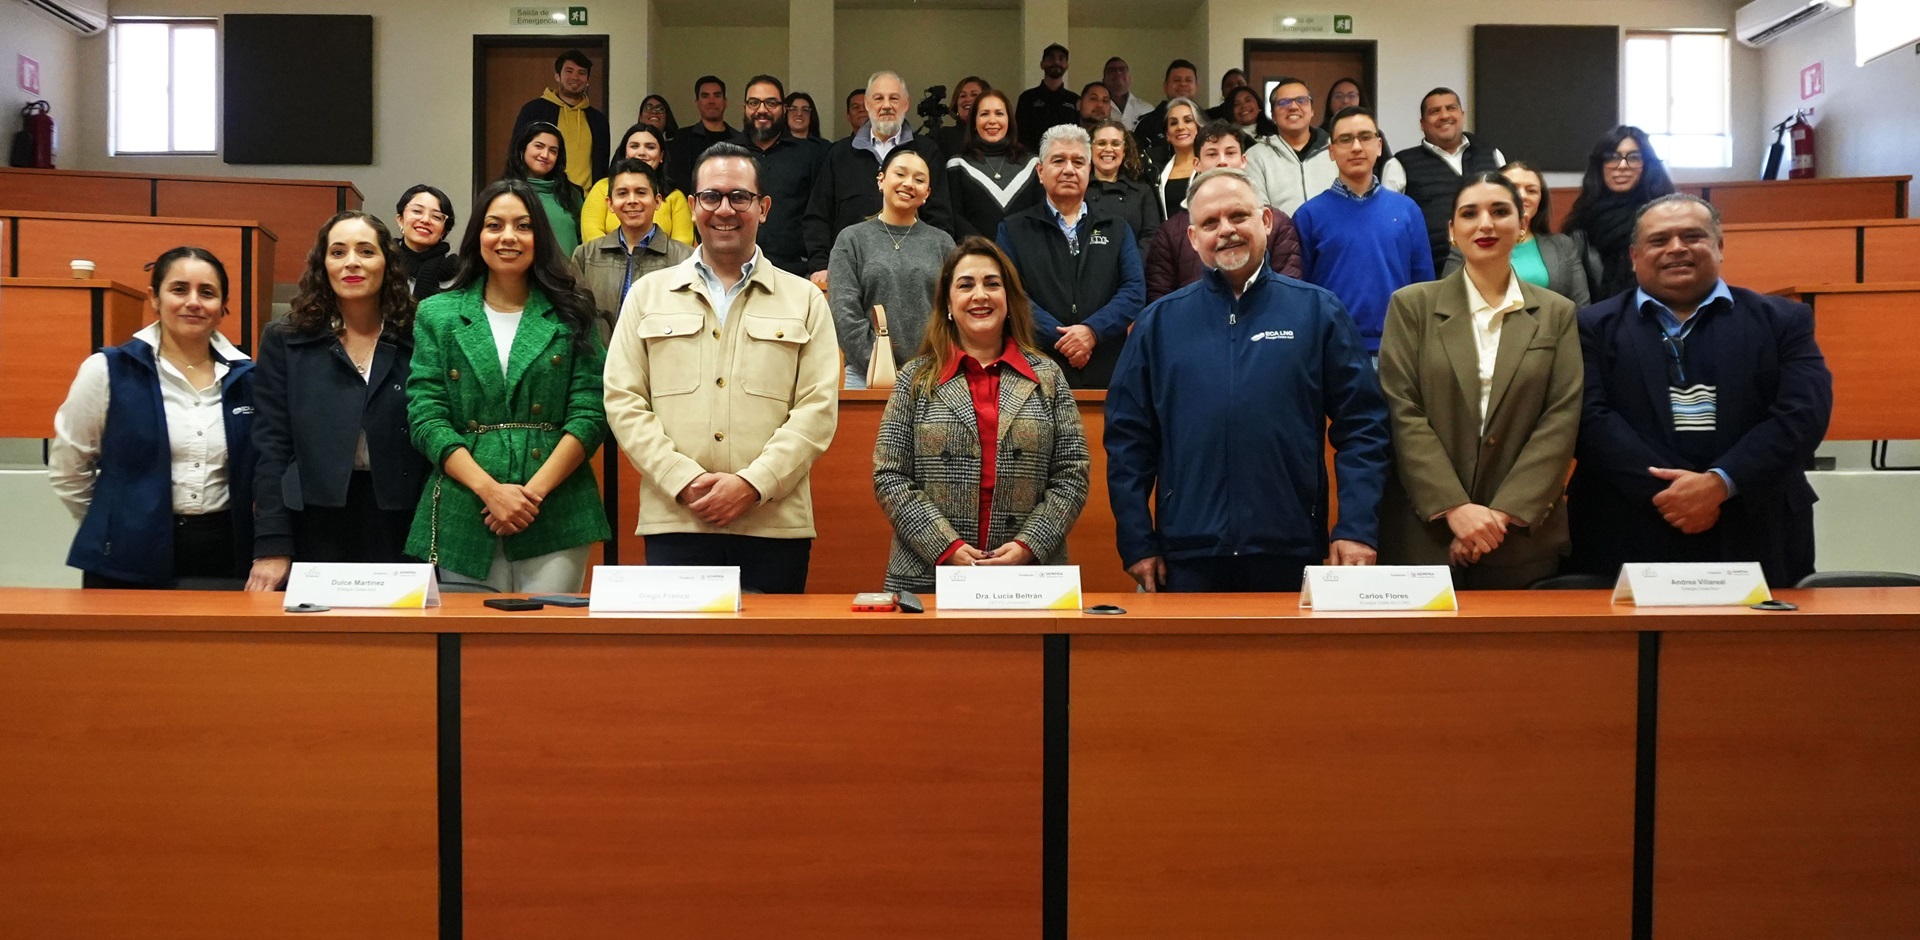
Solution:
(723, 388)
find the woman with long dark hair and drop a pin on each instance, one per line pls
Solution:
(330, 410)
(890, 260)
(644, 143)
(1177, 158)
(952, 138)
(803, 118)
(152, 450)
(1483, 377)
(538, 157)
(995, 176)
(1344, 93)
(1116, 183)
(658, 114)
(1541, 258)
(981, 458)
(425, 217)
(1242, 109)
(505, 403)
(1623, 174)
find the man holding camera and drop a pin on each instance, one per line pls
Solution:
(1048, 103)
(846, 190)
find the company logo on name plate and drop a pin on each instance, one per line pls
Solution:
(1272, 334)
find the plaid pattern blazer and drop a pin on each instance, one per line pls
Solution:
(926, 469)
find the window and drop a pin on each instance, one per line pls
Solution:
(161, 74)
(1677, 91)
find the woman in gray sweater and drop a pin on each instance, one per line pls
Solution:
(892, 260)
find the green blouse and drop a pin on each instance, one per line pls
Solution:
(1528, 264)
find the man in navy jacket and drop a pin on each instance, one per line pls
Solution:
(1704, 404)
(1217, 411)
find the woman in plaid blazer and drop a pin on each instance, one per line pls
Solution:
(981, 459)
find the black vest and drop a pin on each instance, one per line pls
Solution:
(1433, 184)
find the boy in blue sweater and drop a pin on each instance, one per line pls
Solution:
(1359, 239)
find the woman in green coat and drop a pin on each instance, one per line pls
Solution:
(505, 401)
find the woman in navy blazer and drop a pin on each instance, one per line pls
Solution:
(338, 478)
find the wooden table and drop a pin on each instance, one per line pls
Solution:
(1205, 766)
(47, 327)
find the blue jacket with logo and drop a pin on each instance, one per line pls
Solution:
(1217, 411)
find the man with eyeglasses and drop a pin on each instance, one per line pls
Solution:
(1292, 166)
(565, 105)
(1430, 172)
(1360, 239)
(1128, 109)
(847, 191)
(710, 101)
(788, 168)
(1704, 405)
(722, 386)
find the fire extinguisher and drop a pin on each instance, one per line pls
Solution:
(1801, 133)
(33, 146)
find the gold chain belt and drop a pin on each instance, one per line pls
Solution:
(433, 536)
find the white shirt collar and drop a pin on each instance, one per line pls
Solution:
(222, 349)
(1513, 300)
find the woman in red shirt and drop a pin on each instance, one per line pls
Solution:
(981, 459)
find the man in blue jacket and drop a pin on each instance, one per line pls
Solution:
(1217, 411)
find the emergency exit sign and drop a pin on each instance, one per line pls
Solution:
(547, 16)
(1312, 24)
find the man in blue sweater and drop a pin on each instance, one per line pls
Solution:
(1359, 239)
(1217, 410)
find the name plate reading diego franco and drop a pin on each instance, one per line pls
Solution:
(362, 585)
(1693, 584)
(1007, 587)
(1378, 587)
(652, 589)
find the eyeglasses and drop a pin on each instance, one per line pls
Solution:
(1348, 140)
(800, 109)
(1634, 158)
(739, 199)
(1281, 104)
(770, 104)
(654, 108)
(1344, 96)
(415, 212)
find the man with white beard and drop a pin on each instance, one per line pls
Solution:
(1215, 467)
(846, 191)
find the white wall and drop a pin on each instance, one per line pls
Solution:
(1424, 43)
(927, 47)
(24, 31)
(423, 106)
(1869, 116)
(682, 54)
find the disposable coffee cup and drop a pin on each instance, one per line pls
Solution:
(82, 270)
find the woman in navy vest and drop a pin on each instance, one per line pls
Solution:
(152, 449)
(338, 477)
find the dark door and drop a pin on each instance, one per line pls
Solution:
(509, 71)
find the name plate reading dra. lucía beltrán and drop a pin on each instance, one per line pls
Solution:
(1007, 587)
(1694, 584)
(645, 589)
(362, 585)
(1378, 587)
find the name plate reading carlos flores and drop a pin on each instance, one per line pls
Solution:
(641, 589)
(362, 585)
(1007, 587)
(1698, 584)
(1378, 587)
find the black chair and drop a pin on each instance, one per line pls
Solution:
(1573, 582)
(1837, 579)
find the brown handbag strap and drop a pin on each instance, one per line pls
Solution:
(879, 320)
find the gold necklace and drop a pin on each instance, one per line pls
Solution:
(897, 240)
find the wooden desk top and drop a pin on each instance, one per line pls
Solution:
(175, 177)
(1885, 609)
(70, 282)
(136, 219)
(1884, 287)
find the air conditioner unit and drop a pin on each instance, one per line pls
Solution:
(1763, 21)
(86, 17)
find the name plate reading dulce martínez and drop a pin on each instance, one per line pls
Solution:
(1378, 587)
(1694, 584)
(1007, 587)
(362, 585)
(652, 589)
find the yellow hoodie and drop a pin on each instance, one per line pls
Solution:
(578, 136)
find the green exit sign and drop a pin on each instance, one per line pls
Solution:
(577, 16)
(1343, 24)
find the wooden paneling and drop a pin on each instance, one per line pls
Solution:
(1857, 197)
(1465, 786)
(207, 786)
(1892, 253)
(121, 247)
(1876, 383)
(46, 330)
(66, 190)
(850, 554)
(730, 787)
(1769, 257)
(1788, 768)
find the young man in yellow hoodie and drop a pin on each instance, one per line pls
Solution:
(582, 125)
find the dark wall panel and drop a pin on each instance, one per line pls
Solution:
(1544, 94)
(299, 89)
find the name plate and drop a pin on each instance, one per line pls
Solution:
(358, 585)
(634, 589)
(1378, 587)
(1700, 584)
(1007, 587)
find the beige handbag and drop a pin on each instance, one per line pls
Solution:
(880, 368)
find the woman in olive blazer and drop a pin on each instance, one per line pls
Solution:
(1563, 258)
(512, 504)
(1485, 496)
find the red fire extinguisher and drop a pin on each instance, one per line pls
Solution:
(1801, 133)
(33, 146)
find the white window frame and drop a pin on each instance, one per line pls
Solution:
(113, 85)
(1674, 156)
